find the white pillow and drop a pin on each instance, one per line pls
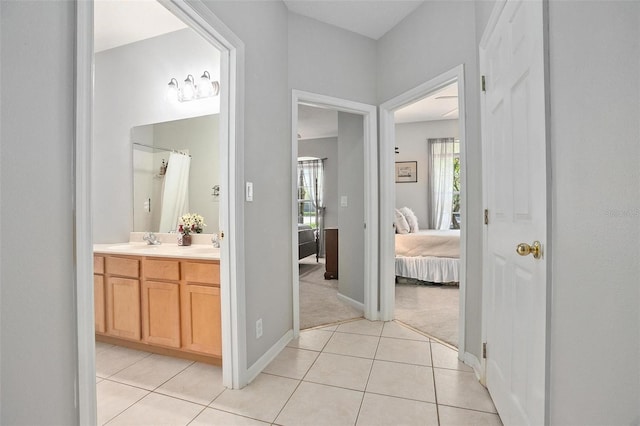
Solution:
(411, 218)
(402, 227)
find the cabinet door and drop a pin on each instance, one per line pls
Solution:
(201, 328)
(161, 313)
(98, 303)
(123, 307)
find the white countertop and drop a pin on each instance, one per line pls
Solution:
(194, 251)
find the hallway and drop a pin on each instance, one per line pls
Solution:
(353, 373)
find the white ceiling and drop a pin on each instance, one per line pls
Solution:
(370, 18)
(120, 22)
(441, 105)
(316, 123)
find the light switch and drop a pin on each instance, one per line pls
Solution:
(343, 201)
(249, 191)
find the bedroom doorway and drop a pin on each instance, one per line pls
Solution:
(334, 151)
(423, 200)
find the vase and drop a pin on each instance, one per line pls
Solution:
(184, 240)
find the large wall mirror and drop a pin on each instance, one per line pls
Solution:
(175, 171)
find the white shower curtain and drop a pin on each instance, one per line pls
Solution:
(441, 183)
(175, 193)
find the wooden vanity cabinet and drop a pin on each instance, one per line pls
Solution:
(201, 324)
(161, 302)
(164, 305)
(99, 294)
(122, 279)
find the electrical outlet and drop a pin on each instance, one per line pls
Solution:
(259, 328)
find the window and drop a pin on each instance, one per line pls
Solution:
(455, 208)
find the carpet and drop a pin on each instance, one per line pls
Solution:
(432, 309)
(319, 303)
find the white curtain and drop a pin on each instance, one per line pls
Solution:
(311, 173)
(440, 182)
(175, 193)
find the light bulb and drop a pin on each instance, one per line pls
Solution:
(188, 91)
(204, 86)
(172, 90)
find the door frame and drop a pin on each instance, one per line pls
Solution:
(387, 192)
(232, 288)
(370, 196)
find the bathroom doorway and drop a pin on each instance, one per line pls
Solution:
(198, 18)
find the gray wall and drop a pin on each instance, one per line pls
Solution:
(595, 154)
(262, 26)
(325, 148)
(437, 37)
(331, 61)
(130, 90)
(37, 303)
(411, 139)
(351, 218)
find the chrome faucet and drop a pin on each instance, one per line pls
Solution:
(151, 239)
(215, 241)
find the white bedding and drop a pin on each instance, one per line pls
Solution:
(429, 255)
(431, 269)
(429, 242)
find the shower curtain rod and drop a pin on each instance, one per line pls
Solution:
(160, 149)
(312, 161)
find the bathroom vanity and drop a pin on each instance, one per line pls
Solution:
(163, 299)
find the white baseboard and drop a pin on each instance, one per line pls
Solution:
(473, 362)
(269, 356)
(352, 302)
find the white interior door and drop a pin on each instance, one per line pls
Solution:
(514, 142)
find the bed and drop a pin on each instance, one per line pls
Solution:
(307, 244)
(429, 255)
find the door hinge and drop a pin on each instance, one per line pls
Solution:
(484, 84)
(486, 216)
(484, 350)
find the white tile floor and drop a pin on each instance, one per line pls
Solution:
(355, 373)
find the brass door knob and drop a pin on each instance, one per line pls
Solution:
(524, 249)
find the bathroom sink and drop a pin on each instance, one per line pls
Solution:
(200, 251)
(127, 247)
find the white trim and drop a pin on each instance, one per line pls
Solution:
(268, 356)
(387, 191)
(492, 22)
(370, 196)
(350, 301)
(472, 361)
(83, 247)
(208, 25)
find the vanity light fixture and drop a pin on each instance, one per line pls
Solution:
(190, 91)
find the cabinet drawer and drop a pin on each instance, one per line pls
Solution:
(98, 265)
(126, 267)
(205, 273)
(162, 269)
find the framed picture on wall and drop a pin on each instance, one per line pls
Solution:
(406, 171)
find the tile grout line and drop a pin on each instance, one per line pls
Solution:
(366, 385)
(435, 389)
(124, 368)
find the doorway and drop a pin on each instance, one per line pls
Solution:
(427, 197)
(327, 282)
(356, 118)
(200, 19)
(388, 194)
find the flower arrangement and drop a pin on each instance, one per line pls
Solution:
(191, 222)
